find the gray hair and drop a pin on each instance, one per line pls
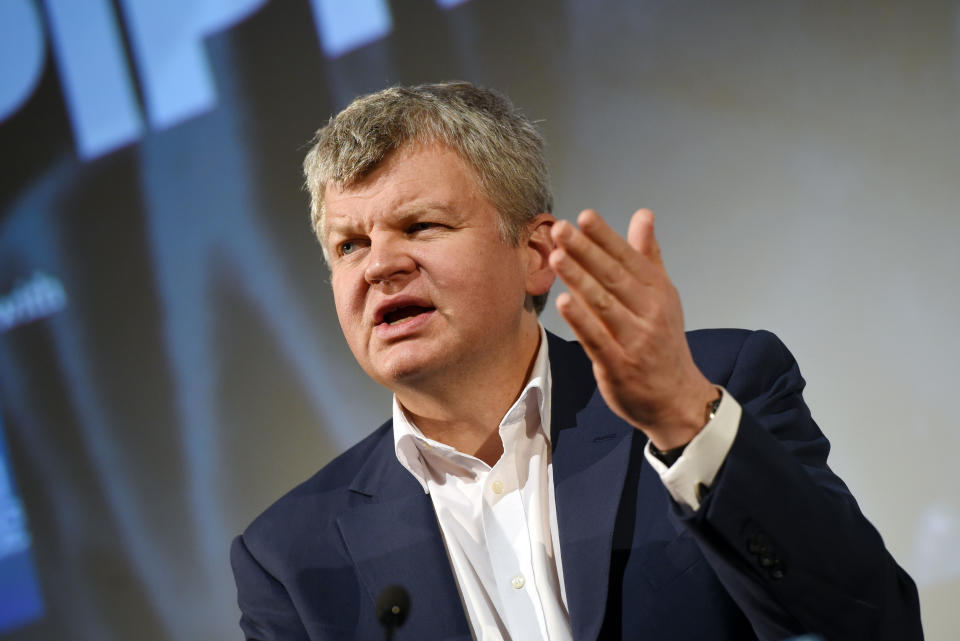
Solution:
(482, 126)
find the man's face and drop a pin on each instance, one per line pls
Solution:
(424, 285)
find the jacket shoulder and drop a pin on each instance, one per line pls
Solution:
(718, 352)
(317, 501)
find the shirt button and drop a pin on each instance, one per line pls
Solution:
(517, 582)
(497, 487)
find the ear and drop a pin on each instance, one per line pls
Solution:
(538, 246)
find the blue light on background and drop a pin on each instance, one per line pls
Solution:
(20, 600)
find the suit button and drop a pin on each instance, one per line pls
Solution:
(756, 544)
(768, 560)
(776, 573)
(518, 582)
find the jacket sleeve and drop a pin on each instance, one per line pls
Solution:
(782, 531)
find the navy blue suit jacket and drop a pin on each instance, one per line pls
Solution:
(778, 546)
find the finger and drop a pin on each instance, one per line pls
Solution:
(601, 233)
(625, 279)
(641, 236)
(592, 334)
(618, 317)
(582, 284)
(622, 280)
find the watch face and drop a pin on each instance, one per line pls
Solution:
(714, 405)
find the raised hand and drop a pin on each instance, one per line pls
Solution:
(627, 314)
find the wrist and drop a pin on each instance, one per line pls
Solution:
(697, 410)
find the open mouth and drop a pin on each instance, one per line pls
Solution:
(404, 314)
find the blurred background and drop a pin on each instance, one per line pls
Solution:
(170, 359)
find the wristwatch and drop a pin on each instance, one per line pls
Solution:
(669, 457)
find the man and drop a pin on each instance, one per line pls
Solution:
(641, 484)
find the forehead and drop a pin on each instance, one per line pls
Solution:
(421, 177)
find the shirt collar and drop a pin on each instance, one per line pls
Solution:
(409, 442)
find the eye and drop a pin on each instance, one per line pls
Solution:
(420, 226)
(347, 247)
(426, 226)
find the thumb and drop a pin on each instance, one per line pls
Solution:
(641, 237)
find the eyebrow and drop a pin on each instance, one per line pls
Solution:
(398, 217)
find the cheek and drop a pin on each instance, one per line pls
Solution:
(348, 301)
(456, 282)
(479, 284)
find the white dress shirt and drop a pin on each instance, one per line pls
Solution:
(499, 524)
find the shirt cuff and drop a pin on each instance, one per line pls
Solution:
(702, 457)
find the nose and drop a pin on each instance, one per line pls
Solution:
(388, 261)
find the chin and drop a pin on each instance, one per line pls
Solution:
(404, 370)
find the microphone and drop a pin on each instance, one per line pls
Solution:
(393, 606)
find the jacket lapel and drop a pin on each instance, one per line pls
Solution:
(591, 448)
(394, 539)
